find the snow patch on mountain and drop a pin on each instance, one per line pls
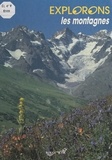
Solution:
(77, 60)
(3, 45)
(35, 42)
(31, 32)
(55, 50)
(97, 49)
(111, 35)
(62, 47)
(17, 53)
(7, 65)
(109, 50)
(83, 63)
(62, 85)
(3, 34)
(60, 50)
(36, 70)
(71, 45)
(59, 36)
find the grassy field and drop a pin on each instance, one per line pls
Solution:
(83, 134)
(41, 99)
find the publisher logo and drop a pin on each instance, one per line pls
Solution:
(7, 10)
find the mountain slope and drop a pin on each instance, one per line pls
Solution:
(34, 50)
(67, 59)
(97, 85)
(41, 99)
(89, 54)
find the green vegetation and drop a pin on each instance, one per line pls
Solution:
(80, 133)
(83, 134)
(42, 99)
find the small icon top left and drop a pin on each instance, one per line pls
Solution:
(7, 10)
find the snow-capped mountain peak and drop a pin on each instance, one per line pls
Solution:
(65, 33)
(66, 58)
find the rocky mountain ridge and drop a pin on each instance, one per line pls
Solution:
(67, 58)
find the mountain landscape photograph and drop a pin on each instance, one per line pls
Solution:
(55, 85)
(54, 75)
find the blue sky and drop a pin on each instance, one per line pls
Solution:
(35, 15)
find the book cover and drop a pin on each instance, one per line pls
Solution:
(56, 79)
